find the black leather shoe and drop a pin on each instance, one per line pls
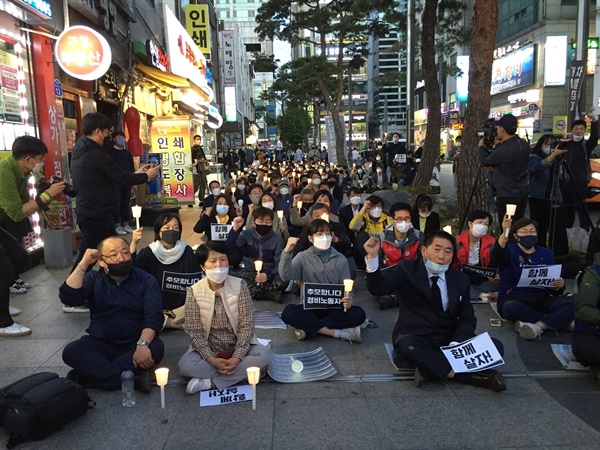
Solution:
(488, 379)
(142, 382)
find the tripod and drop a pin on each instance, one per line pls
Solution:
(477, 187)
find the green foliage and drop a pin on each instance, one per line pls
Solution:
(290, 127)
(264, 63)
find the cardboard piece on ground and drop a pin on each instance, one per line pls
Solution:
(317, 366)
(564, 353)
(268, 319)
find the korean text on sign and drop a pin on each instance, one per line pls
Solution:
(322, 296)
(539, 276)
(219, 232)
(217, 397)
(478, 353)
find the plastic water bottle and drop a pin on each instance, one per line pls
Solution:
(127, 388)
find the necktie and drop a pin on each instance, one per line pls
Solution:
(435, 291)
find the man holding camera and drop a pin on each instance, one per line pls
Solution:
(27, 157)
(509, 162)
(95, 174)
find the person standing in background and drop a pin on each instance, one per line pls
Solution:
(202, 165)
(124, 160)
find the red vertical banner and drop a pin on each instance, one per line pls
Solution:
(50, 117)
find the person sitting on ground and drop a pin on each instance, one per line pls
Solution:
(268, 200)
(533, 309)
(474, 248)
(220, 324)
(222, 213)
(297, 214)
(324, 265)
(340, 241)
(283, 199)
(324, 196)
(423, 218)
(370, 221)
(259, 243)
(379, 178)
(125, 318)
(433, 312)
(348, 212)
(586, 334)
(215, 190)
(173, 264)
(360, 177)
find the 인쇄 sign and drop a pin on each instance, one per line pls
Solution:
(83, 53)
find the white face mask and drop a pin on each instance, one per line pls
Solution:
(478, 230)
(284, 191)
(38, 168)
(403, 226)
(241, 187)
(546, 149)
(316, 181)
(424, 215)
(458, 144)
(269, 205)
(217, 275)
(577, 138)
(216, 191)
(255, 200)
(355, 200)
(396, 139)
(322, 243)
(436, 268)
(376, 212)
(222, 209)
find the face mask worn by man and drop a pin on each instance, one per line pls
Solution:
(403, 226)
(217, 275)
(284, 191)
(120, 269)
(216, 191)
(376, 212)
(120, 141)
(170, 236)
(436, 268)
(355, 200)
(263, 230)
(322, 242)
(479, 230)
(577, 138)
(38, 167)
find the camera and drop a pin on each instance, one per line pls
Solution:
(489, 133)
(562, 144)
(69, 191)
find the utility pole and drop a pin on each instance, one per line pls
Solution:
(576, 91)
(410, 71)
(349, 108)
(385, 118)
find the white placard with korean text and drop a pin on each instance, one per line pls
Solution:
(219, 232)
(473, 355)
(539, 276)
(227, 396)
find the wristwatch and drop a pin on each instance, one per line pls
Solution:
(142, 342)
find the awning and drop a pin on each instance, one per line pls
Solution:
(176, 82)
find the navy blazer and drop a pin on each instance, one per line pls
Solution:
(419, 313)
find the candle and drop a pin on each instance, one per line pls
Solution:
(348, 285)
(299, 204)
(136, 212)
(297, 366)
(510, 211)
(325, 217)
(258, 265)
(241, 202)
(253, 379)
(448, 229)
(233, 191)
(280, 214)
(162, 378)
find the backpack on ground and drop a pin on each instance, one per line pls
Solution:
(40, 404)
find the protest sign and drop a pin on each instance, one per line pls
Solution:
(322, 296)
(476, 270)
(473, 355)
(539, 276)
(227, 396)
(219, 232)
(400, 158)
(179, 282)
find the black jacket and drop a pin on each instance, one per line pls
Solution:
(509, 160)
(95, 173)
(419, 314)
(346, 215)
(431, 224)
(578, 156)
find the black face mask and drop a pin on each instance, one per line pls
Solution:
(170, 236)
(120, 269)
(306, 206)
(304, 183)
(263, 230)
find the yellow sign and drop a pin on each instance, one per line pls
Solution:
(197, 25)
(559, 124)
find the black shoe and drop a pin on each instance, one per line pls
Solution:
(142, 382)
(419, 379)
(272, 296)
(75, 378)
(487, 379)
(387, 301)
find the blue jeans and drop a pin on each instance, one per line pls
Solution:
(556, 314)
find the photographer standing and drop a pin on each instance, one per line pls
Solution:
(27, 157)
(509, 161)
(577, 160)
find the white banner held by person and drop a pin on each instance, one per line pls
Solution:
(539, 276)
(219, 232)
(473, 355)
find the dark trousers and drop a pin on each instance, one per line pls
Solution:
(424, 352)
(122, 207)
(586, 348)
(258, 291)
(100, 363)
(521, 203)
(13, 259)
(202, 185)
(93, 231)
(359, 249)
(311, 321)
(574, 195)
(556, 313)
(550, 235)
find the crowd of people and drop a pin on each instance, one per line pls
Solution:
(276, 225)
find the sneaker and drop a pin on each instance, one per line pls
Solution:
(419, 379)
(76, 309)
(21, 283)
(528, 331)
(142, 382)
(351, 334)
(15, 330)
(120, 231)
(16, 289)
(13, 311)
(197, 385)
(127, 229)
(300, 334)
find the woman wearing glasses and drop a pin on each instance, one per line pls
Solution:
(533, 309)
(323, 265)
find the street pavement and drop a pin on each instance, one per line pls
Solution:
(367, 405)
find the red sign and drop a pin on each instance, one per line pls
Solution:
(83, 53)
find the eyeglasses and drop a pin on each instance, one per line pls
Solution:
(124, 254)
(527, 233)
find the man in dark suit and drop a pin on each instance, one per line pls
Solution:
(348, 212)
(336, 191)
(435, 310)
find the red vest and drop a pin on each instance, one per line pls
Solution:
(462, 250)
(394, 254)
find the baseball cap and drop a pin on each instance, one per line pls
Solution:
(506, 121)
(284, 181)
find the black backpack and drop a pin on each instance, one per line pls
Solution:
(40, 404)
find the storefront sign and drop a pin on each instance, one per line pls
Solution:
(502, 51)
(530, 96)
(156, 57)
(462, 82)
(513, 71)
(83, 53)
(171, 137)
(40, 8)
(10, 107)
(58, 90)
(227, 43)
(230, 104)
(555, 61)
(186, 59)
(322, 296)
(198, 26)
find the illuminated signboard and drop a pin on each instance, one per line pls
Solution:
(156, 57)
(40, 8)
(513, 70)
(83, 53)
(462, 82)
(555, 61)
(198, 27)
(230, 104)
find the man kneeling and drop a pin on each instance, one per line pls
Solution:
(125, 318)
(435, 310)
